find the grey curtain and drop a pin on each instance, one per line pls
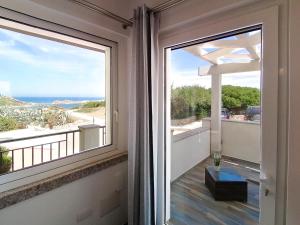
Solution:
(143, 120)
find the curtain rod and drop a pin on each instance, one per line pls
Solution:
(103, 11)
(166, 5)
(125, 22)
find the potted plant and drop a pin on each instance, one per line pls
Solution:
(5, 160)
(217, 160)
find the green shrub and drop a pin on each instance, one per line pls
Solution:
(53, 118)
(8, 123)
(93, 104)
(5, 160)
(190, 101)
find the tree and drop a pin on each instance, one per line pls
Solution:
(190, 101)
(235, 97)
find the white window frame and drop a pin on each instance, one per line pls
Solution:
(44, 29)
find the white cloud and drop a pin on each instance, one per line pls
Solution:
(245, 79)
(58, 61)
(190, 78)
(5, 88)
(47, 54)
(70, 70)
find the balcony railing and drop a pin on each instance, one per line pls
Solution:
(30, 151)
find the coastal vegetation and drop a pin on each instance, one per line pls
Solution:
(8, 123)
(8, 101)
(12, 118)
(195, 101)
(15, 114)
(5, 160)
(91, 106)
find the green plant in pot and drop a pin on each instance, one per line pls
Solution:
(217, 160)
(5, 160)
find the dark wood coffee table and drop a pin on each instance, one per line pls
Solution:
(226, 184)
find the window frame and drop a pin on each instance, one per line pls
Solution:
(57, 166)
(268, 18)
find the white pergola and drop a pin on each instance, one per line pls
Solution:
(237, 54)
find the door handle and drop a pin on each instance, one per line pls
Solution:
(265, 181)
(267, 191)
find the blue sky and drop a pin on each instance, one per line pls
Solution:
(185, 61)
(36, 67)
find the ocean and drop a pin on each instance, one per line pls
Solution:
(50, 100)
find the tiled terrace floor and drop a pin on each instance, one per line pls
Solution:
(192, 203)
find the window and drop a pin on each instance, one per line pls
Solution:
(55, 95)
(237, 59)
(215, 110)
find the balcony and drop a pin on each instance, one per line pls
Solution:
(240, 140)
(191, 201)
(32, 150)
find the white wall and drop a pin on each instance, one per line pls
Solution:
(188, 149)
(61, 206)
(241, 140)
(293, 179)
(57, 10)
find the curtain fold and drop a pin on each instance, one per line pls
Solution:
(143, 119)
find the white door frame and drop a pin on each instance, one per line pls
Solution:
(269, 84)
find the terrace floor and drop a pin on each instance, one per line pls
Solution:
(192, 203)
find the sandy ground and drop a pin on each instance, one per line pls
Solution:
(99, 113)
(97, 117)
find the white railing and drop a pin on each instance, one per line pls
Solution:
(240, 139)
(25, 152)
(188, 149)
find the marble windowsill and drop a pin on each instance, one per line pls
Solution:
(28, 191)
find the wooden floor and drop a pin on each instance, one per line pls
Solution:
(192, 203)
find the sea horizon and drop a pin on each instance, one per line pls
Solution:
(50, 100)
(71, 102)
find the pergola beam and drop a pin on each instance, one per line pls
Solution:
(225, 48)
(250, 48)
(215, 55)
(241, 42)
(230, 68)
(198, 51)
(215, 52)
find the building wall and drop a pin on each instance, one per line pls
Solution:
(65, 205)
(72, 15)
(187, 150)
(241, 140)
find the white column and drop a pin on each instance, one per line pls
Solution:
(216, 103)
(89, 136)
